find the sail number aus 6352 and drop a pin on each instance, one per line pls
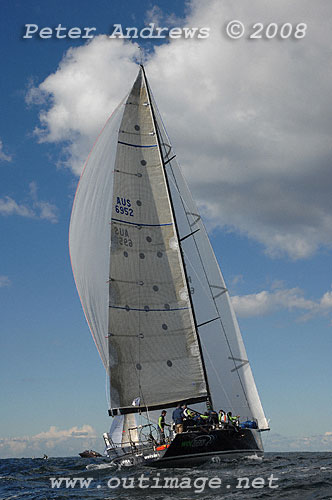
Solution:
(123, 206)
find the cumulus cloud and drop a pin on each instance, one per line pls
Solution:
(3, 155)
(82, 93)
(266, 302)
(33, 209)
(250, 119)
(319, 442)
(54, 442)
(55, 433)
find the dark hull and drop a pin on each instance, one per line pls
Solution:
(89, 454)
(195, 448)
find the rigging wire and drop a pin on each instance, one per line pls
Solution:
(184, 204)
(211, 294)
(107, 390)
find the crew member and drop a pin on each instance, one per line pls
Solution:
(222, 418)
(186, 412)
(161, 426)
(213, 417)
(178, 419)
(233, 420)
(188, 417)
(205, 418)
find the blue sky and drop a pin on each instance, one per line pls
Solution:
(251, 122)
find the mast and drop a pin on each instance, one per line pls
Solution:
(209, 398)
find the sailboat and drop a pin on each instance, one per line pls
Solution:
(155, 299)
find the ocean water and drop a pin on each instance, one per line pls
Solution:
(277, 475)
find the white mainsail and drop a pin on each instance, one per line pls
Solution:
(149, 282)
(154, 352)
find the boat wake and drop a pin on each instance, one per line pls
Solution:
(109, 465)
(254, 457)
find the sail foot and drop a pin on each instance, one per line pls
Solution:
(140, 409)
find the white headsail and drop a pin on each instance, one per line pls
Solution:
(231, 383)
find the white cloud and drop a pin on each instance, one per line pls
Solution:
(266, 302)
(4, 281)
(3, 155)
(277, 442)
(158, 17)
(8, 206)
(256, 113)
(237, 279)
(43, 209)
(75, 432)
(70, 442)
(55, 442)
(82, 93)
(33, 209)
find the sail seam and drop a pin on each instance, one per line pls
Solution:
(139, 224)
(138, 134)
(148, 310)
(137, 145)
